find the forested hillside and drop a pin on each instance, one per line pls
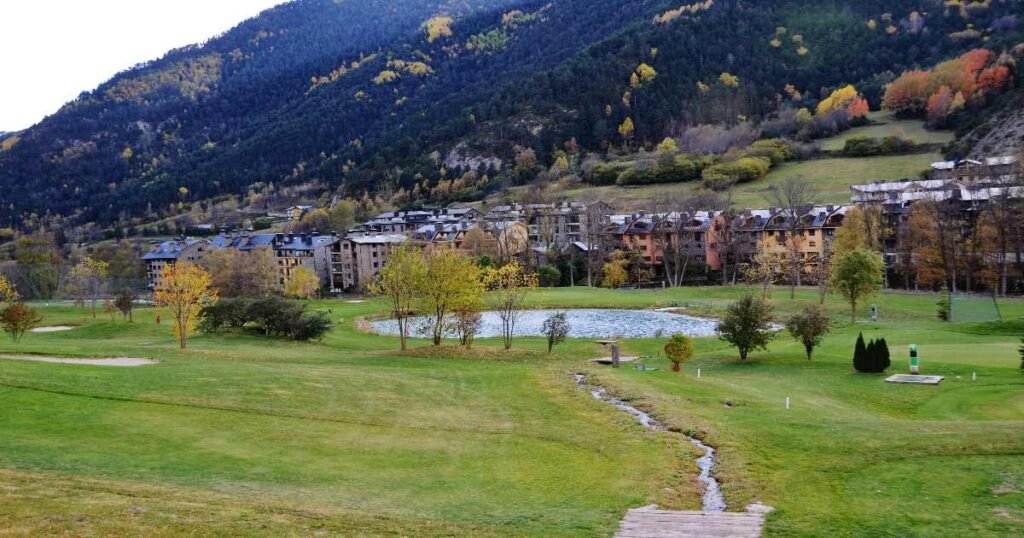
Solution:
(362, 96)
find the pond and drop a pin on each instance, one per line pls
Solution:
(584, 323)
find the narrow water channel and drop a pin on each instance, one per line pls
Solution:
(713, 501)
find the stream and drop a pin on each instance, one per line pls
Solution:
(713, 501)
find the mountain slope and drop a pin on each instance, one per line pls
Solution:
(359, 95)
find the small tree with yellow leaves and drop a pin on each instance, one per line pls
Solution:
(7, 292)
(508, 287)
(304, 284)
(185, 290)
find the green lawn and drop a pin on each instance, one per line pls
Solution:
(244, 435)
(883, 125)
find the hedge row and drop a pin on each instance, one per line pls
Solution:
(271, 316)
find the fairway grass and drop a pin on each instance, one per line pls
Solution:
(242, 435)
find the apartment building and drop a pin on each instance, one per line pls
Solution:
(162, 255)
(358, 258)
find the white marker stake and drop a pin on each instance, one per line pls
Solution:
(974, 376)
(787, 403)
(698, 373)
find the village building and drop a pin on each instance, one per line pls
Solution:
(408, 222)
(168, 253)
(556, 225)
(291, 251)
(690, 238)
(1004, 169)
(358, 258)
(812, 236)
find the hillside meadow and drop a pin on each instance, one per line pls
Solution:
(246, 435)
(831, 175)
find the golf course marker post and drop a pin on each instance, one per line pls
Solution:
(915, 364)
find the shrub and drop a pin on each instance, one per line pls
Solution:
(18, 319)
(862, 146)
(309, 326)
(678, 349)
(743, 170)
(746, 325)
(607, 173)
(273, 315)
(776, 150)
(555, 328)
(225, 314)
(872, 358)
(269, 316)
(549, 276)
(860, 354)
(943, 309)
(808, 327)
(784, 147)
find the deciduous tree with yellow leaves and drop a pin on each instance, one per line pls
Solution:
(185, 290)
(452, 280)
(303, 284)
(508, 287)
(400, 283)
(7, 292)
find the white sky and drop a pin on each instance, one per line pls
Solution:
(52, 50)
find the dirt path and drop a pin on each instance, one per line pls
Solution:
(115, 361)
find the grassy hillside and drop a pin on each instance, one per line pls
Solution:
(242, 435)
(831, 177)
(884, 124)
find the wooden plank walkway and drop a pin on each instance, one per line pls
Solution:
(652, 523)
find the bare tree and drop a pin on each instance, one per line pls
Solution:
(794, 197)
(822, 268)
(594, 236)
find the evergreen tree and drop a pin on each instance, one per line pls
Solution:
(859, 354)
(871, 356)
(883, 348)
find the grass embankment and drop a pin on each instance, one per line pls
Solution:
(831, 176)
(244, 435)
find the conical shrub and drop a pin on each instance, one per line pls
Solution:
(860, 354)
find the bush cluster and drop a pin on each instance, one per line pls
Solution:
(677, 170)
(872, 358)
(271, 316)
(743, 170)
(862, 146)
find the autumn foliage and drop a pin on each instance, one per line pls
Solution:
(185, 290)
(948, 87)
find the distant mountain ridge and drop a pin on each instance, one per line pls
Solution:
(360, 95)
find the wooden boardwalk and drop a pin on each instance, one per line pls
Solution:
(653, 523)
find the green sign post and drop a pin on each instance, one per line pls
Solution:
(914, 361)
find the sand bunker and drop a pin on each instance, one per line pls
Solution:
(54, 329)
(116, 361)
